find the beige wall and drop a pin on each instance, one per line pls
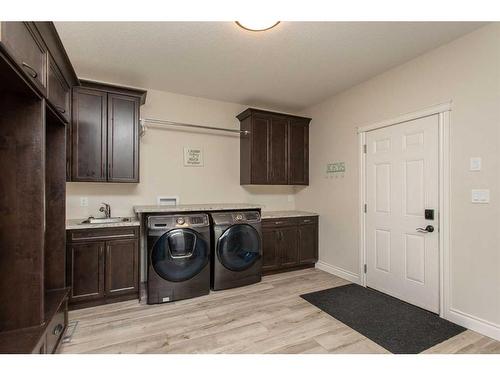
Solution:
(466, 71)
(161, 163)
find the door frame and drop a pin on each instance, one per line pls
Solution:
(443, 111)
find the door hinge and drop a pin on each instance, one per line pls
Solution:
(364, 268)
(365, 208)
(364, 149)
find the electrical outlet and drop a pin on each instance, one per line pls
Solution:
(480, 196)
(475, 164)
(84, 201)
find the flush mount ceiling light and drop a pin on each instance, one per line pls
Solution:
(257, 25)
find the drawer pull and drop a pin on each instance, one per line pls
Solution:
(278, 222)
(112, 236)
(306, 221)
(60, 109)
(33, 74)
(58, 329)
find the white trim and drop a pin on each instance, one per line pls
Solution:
(474, 323)
(429, 111)
(444, 214)
(444, 194)
(362, 201)
(337, 271)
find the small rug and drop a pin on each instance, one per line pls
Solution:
(399, 327)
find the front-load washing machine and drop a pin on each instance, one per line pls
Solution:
(178, 257)
(237, 249)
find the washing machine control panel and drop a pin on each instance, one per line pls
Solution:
(166, 222)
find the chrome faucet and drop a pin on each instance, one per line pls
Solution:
(106, 209)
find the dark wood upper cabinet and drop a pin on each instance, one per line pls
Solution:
(276, 150)
(58, 90)
(298, 152)
(105, 133)
(25, 45)
(89, 132)
(123, 138)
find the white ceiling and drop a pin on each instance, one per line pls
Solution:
(289, 67)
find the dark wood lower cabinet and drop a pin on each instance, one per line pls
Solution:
(289, 243)
(122, 258)
(86, 270)
(102, 265)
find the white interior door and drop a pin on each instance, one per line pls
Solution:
(402, 180)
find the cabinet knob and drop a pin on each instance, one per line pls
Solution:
(58, 329)
(32, 70)
(60, 109)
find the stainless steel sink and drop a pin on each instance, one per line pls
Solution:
(105, 220)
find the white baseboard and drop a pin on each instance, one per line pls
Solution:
(340, 272)
(473, 323)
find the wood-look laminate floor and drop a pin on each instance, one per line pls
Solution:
(268, 317)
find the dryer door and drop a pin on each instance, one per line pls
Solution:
(179, 255)
(239, 247)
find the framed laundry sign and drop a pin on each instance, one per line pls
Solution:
(193, 157)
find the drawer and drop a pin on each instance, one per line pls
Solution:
(58, 90)
(55, 329)
(100, 234)
(308, 220)
(279, 222)
(24, 44)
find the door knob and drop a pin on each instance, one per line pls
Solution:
(427, 229)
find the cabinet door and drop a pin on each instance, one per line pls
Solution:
(89, 122)
(298, 152)
(58, 90)
(270, 249)
(122, 266)
(278, 168)
(288, 246)
(260, 148)
(25, 45)
(123, 138)
(85, 270)
(68, 152)
(308, 243)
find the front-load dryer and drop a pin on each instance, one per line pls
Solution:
(237, 249)
(178, 257)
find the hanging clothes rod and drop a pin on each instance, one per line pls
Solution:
(161, 123)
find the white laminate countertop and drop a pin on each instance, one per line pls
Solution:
(72, 224)
(280, 214)
(196, 207)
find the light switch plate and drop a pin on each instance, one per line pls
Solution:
(480, 196)
(475, 164)
(84, 201)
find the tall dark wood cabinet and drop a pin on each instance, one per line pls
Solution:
(276, 149)
(35, 78)
(102, 265)
(289, 243)
(105, 133)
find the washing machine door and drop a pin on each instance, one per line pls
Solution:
(238, 248)
(179, 255)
